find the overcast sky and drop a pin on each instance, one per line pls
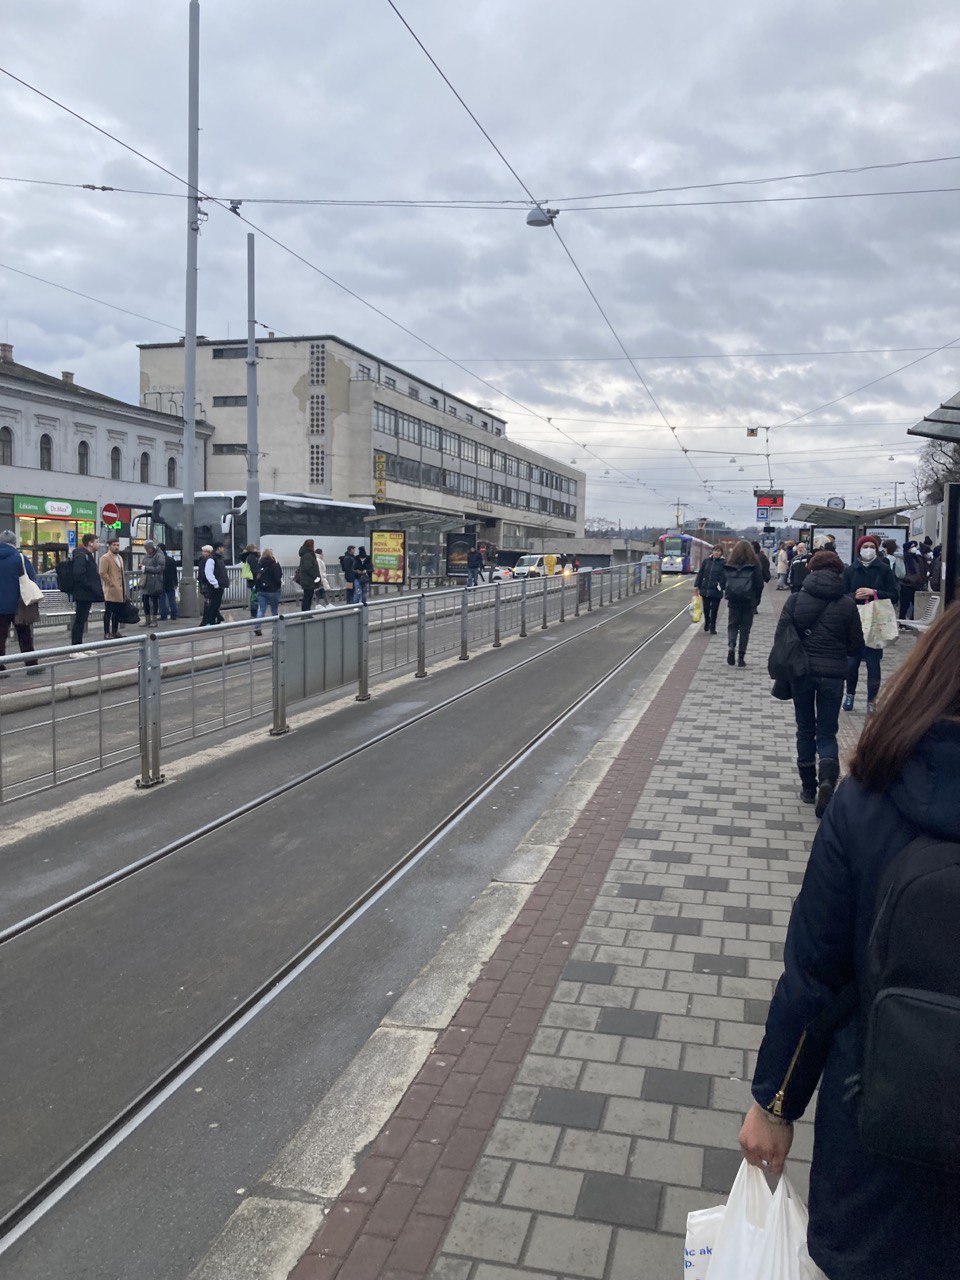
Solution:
(310, 100)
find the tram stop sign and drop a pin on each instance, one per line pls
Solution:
(110, 515)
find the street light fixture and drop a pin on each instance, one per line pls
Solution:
(540, 217)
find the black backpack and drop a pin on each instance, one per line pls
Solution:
(910, 995)
(64, 573)
(740, 585)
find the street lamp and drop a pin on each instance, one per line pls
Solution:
(541, 217)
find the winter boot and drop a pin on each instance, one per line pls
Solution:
(848, 702)
(741, 661)
(829, 776)
(731, 657)
(808, 782)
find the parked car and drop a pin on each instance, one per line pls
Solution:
(501, 573)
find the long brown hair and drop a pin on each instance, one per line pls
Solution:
(925, 689)
(742, 553)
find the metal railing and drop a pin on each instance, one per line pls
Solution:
(78, 711)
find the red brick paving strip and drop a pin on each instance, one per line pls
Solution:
(390, 1219)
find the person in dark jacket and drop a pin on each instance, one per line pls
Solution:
(168, 596)
(711, 580)
(870, 1215)
(250, 558)
(764, 561)
(828, 624)
(475, 566)
(798, 568)
(348, 563)
(743, 587)
(151, 576)
(216, 581)
(269, 583)
(308, 574)
(915, 577)
(362, 576)
(87, 587)
(13, 565)
(868, 578)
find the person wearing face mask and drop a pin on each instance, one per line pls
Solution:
(868, 578)
(709, 586)
(916, 571)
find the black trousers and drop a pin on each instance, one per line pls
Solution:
(80, 621)
(710, 610)
(211, 607)
(112, 616)
(739, 622)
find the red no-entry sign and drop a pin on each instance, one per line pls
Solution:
(110, 513)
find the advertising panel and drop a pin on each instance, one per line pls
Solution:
(379, 477)
(843, 539)
(459, 546)
(53, 508)
(388, 550)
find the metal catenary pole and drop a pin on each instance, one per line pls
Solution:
(496, 616)
(421, 637)
(464, 629)
(188, 583)
(253, 449)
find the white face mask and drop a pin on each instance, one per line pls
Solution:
(868, 554)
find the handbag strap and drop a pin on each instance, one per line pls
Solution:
(808, 631)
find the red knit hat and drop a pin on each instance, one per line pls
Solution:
(862, 542)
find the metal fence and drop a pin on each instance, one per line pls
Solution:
(79, 711)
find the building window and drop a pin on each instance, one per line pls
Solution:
(452, 410)
(228, 450)
(451, 444)
(451, 481)
(468, 486)
(318, 414)
(46, 453)
(230, 353)
(408, 428)
(468, 450)
(499, 461)
(116, 462)
(413, 393)
(429, 436)
(317, 464)
(229, 402)
(385, 419)
(171, 473)
(6, 447)
(318, 364)
(144, 468)
(512, 465)
(484, 455)
(83, 458)
(391, 383)
(363, 372)
(434, 402)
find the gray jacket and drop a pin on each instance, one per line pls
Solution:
(152, 569)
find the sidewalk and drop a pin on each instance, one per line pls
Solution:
(589, 1091)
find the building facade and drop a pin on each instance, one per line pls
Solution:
(336, 421)
(66, 451)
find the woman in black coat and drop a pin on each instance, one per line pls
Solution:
(870, 1215)
(709, 587)
(828, 623)
(743, 589)
(868, 578)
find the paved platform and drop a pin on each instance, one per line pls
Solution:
(588, 1092)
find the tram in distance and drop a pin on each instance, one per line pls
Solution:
(286, 519)
(682, 552)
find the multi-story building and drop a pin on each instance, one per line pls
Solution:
(335, 420)
(66, 451)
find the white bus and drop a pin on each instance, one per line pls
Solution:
(286, 519)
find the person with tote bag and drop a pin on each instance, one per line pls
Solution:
(20, 598)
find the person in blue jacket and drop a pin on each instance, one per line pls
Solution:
(13, 565)
(868, 578)
(870, 1215)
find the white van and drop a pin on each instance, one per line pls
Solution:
(533, 566)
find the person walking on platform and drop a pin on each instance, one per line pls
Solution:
(828, 624)
(916, 574)
(269, 582)
(866, 1005)
(764, 561)
(743, 589)
(474, 566)
(868, 578)
(362, 574)
(348, 563)
(216, 580)
(87, 587)
(154, 564)
(168, 596)
(308, 574)
(323, 582)
(709, 586)
(783, 564)
(13, 565)
(114, 579)
(248, 571)
(798, 568)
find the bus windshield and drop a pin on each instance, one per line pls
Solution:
(207, 527)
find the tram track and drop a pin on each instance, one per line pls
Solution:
(97, 1147)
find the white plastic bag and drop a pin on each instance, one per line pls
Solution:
(757, 1236)
(702, 1228)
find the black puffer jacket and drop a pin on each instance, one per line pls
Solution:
(878, 576)
(832, 620)
(711, 578)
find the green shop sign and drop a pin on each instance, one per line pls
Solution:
(54, 508)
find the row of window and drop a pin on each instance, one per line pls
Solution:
(83, 458)
(427, 476)
(229, 402)
(318, 364)
(394, 422)
(364, 374)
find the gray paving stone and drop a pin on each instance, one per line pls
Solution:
(487, 1232)
(725, 966)
(644, 1255)
(520, 1102)
(699, 1030)
(581, 1149)
(590, 1046)
(649, 892)
(488, 1179)
(587, 971)
(667, 1162)
(708, 1128)
(712, 1061)
(487, 1272)
(720, 1167)
(571, 1016)
(451, 1269)
(537, 1186)
(641, 1119)
(684, 1087)
(756, 1011)
(651, 1053)
(522, 1140)
(613, 1078)
(572, 1247)
(628, 1022)
(677, 924)
(571, 1108)
(562, 1073)
(623, 1202)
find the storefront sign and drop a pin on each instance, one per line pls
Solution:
(53, 508)
(388, 550)
(379, 477)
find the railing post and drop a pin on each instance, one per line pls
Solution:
(602, 575)
(546, 583)
(619, 582)
(563, 596)
(149, 681)
(496, 616)
(523, 607)
(278, 650)
(464, 606)
(589, 577)
(578, 587)
(421, 637)
(363, 641)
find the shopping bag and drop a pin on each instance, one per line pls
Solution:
(702, 1228)
(696, 609)
(888, 624)
(740, 1239)
(784, 1254)
(879, 622)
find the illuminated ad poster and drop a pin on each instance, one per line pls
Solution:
(459, 546)
(388, 550)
